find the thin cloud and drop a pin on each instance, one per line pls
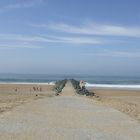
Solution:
(52, 39)
(77, 40)
(20, 46)
(27, 4)
(18, 37)
(94, 29)
(126, 54)
(123, 54)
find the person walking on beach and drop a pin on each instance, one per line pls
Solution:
(82, 84)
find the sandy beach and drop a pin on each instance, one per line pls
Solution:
(67, 117)
(12, 95)
(126, 101)
(69, 70)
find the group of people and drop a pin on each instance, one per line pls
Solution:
(37, 89)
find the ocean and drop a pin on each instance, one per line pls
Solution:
(91, 80)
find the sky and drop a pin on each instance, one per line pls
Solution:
(98, 37)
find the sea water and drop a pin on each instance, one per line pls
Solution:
(91, 80)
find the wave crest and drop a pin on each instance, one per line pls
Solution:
(112, 86)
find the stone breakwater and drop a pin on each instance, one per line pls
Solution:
(79, 90)
(59, 85)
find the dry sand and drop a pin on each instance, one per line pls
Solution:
(12, 95)
(126, 101)
(69, 117)
(24, 88)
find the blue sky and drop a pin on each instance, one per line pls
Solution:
(99, 37)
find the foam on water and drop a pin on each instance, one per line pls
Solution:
(26, 83)
(89, 85)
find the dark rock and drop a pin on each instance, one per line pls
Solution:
(79, 90)
(59, 85)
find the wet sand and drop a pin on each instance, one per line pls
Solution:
(126, 101)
